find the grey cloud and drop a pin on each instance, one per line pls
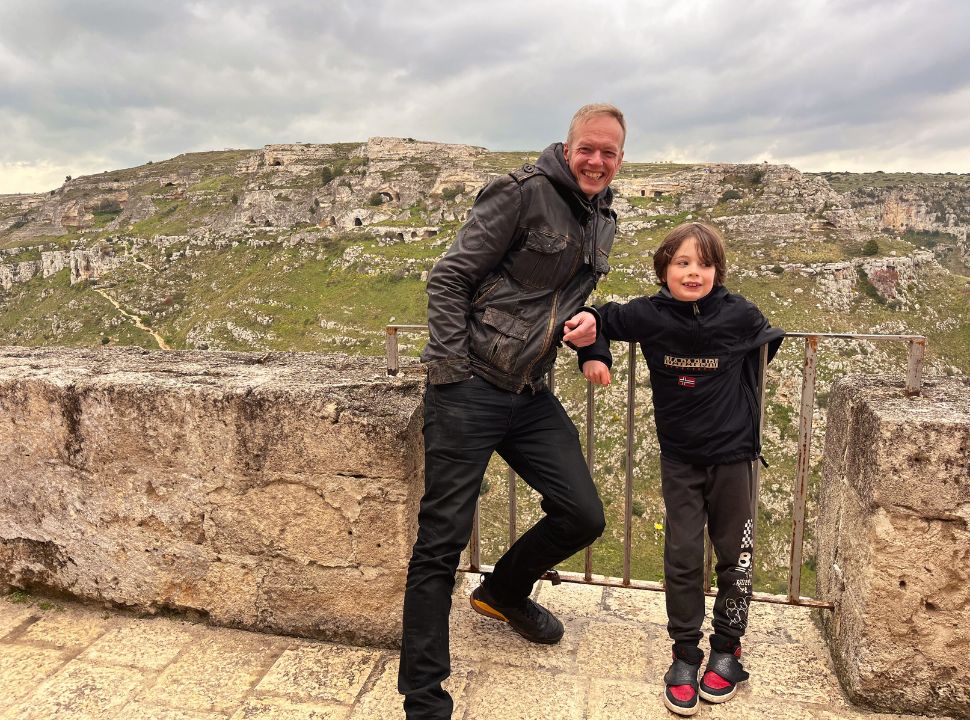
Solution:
(128, 81)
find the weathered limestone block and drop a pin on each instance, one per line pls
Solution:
(88, 265)
(18, 273)
(894, 543)
(54, 261)
(276, 492)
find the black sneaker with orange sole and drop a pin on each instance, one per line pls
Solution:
(527, 618)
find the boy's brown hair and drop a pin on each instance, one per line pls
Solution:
(710, 246)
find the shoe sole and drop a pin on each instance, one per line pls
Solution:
(717, 698)
(488, 611)
(677, 709)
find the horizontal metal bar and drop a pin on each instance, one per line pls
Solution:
(605, 581)
(846, 336)
(851, 336)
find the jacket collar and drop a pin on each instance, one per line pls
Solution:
(712, 298)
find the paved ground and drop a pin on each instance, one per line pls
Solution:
(66, 660)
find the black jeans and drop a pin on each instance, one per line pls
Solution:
(464, 423)
(721, 495)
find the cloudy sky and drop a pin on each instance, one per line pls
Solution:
(92, 85)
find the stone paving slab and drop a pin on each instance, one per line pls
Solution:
(67, 661)
(78, 692)
(12, 616)
(314, 672)
(69, 628)
(216, 673)
(148, 644)
(23, 668)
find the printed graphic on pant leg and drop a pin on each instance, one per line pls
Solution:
(734, 583)
(737, 607)
(745, 563)
(737, 612)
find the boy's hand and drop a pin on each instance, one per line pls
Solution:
(580, 329)
(596, 372)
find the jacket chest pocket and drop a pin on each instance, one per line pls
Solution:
(544, 260)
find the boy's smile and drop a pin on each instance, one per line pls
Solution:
(689, 277)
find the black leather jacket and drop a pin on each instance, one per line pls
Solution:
(531, 252)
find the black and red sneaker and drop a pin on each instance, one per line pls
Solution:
(680, 693)
(722, 675)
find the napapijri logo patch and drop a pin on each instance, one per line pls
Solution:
(690, 363)
(686, 381)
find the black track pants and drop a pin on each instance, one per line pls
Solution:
(721, 496)
(464, 424)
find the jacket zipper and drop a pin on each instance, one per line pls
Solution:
(552, 323)
(488, 292)
(697, 327)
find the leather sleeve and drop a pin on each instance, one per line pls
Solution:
(478, 249)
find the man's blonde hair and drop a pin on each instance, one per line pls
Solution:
(587, 111)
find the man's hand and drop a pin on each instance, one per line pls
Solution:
(580, 329)
(596, 372)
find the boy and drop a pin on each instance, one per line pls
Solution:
(701, 345)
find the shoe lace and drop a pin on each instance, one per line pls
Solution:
(530, 610)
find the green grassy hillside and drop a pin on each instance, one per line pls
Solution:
(318, 248)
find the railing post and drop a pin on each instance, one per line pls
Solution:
(802, 468)
(513, 507)
(390, 343)
(628, 505)
(474, 542)
(756, 473)
(708, 561)
(914, 370)
(590, 458)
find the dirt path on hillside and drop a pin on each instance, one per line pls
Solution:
(135, 319)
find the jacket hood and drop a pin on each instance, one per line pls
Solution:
(552, 163)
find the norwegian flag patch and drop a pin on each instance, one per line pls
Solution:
(686, 381)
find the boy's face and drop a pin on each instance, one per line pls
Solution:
(688, 276)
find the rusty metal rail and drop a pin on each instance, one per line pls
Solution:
(917, 347)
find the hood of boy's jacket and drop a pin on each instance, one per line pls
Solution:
(552, 163)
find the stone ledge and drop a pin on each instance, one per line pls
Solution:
(894, 543)
(272, 491)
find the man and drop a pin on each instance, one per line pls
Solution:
(500, 301)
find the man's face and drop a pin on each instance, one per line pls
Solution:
(595, 152)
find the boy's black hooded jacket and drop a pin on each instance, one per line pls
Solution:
(703, 360)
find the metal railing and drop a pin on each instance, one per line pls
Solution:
(917, 346)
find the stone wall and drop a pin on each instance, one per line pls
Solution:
(275, 492)
(894, 543)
